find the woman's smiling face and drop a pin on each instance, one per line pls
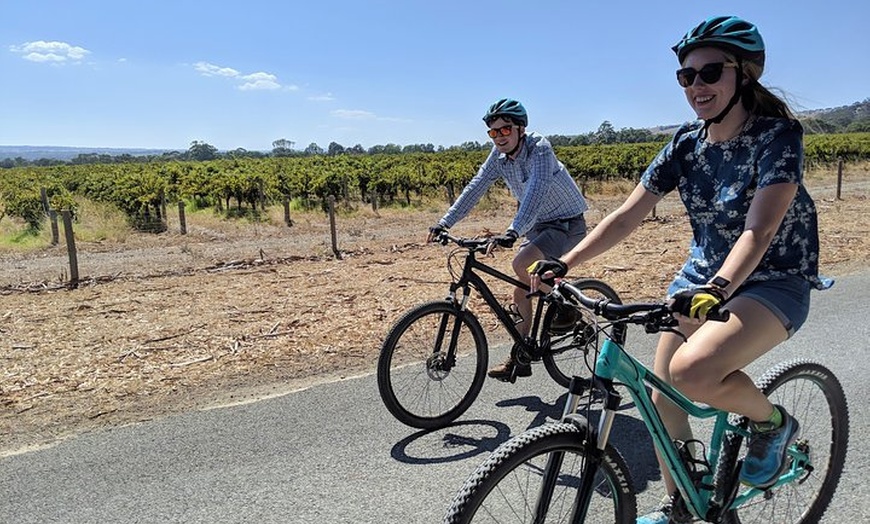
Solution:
(708, 100)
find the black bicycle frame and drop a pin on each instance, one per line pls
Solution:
(470, 279)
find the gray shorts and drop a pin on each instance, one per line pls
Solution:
(556, 237)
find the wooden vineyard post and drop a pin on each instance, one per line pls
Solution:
(335, 250)
(287, 219)
(839, 177)
(71, 248)
(52, 219)
(182, 219)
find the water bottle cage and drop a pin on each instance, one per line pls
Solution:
(512, 311)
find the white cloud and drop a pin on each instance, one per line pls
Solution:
(259, 81)
(353, 114)
(212, 70)
(51, 52)
(326, 97)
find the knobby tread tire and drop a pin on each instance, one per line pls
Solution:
(827, 382)
(394, 405)
(560, 375)
(550, 437)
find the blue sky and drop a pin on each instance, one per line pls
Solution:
(161, 74)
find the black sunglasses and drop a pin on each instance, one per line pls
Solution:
(710, 73)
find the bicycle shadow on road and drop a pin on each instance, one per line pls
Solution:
(442, 445)
(472, 438)
(628, 435)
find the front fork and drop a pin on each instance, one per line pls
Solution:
(594, 448)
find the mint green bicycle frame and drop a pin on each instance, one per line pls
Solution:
(615, 365)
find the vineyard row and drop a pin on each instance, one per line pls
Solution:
(246, 185)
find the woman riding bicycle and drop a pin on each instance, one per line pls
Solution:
(755, 245)
(551, 206)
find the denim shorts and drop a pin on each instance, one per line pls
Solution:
(788, 298)
(556, 237)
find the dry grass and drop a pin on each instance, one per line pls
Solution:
(234, 311)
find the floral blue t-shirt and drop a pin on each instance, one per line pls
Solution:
(717, 182)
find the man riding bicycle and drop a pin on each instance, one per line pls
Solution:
(551, 207)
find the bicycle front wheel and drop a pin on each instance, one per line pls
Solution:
(432, 365)
(568, 346)
(814, 396)
(535, 476)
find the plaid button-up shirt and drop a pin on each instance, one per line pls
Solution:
(536, 178)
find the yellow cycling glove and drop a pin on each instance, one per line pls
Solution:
(698, 302)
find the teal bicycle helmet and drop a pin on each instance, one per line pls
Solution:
(730, 33)
(509, 109)
(733, 35)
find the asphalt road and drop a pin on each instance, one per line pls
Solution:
(333, 454)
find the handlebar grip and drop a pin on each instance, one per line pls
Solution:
(719, 315)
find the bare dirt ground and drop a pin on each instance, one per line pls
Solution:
(163, 324)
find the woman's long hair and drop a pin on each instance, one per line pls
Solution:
(758, 100)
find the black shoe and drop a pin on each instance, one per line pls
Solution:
(505, 370)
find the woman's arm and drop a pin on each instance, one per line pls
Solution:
(768, 208)
(615, 227)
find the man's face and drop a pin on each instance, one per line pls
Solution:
(507, 134)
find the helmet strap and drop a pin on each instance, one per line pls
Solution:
(517, 147)
(738, 91)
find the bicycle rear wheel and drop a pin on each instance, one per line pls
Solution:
(421, 382)
(814, 396)
(508, 486)
(568, 347)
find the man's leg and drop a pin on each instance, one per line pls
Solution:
(524, 258)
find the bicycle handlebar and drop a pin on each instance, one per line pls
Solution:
(654, 316)
(478, 245)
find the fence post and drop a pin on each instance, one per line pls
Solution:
(335, 250)
(43, 196)
(52, 219)
(182, 219)
(71, 248)
(839, 177)
(287, 219)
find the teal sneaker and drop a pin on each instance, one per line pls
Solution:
(766, 459)
(659, 516)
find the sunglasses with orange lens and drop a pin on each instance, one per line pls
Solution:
(503, 131)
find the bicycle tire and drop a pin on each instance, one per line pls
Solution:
(414, 382)
(814, 396)
(504, 488)
(566, 353)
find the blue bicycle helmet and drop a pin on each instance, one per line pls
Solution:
(730, 33)
(509, 109)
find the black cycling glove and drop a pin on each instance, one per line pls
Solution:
(435, 232)
(507, 240)
(553, 265)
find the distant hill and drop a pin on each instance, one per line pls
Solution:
(65, 153)
(845, 119)
(853, 118)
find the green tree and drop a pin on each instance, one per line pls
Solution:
(202, 151)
